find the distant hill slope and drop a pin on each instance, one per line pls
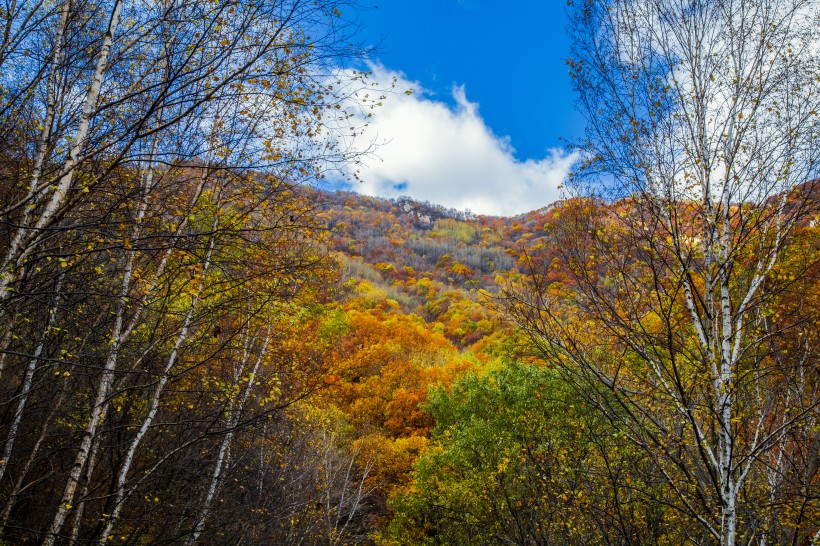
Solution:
(434, 241)
(439, 263)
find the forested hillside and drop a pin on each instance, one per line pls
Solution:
(440, 264)
(200, 345)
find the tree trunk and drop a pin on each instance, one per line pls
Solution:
(121, 495)
(25, 236)
(234, 414)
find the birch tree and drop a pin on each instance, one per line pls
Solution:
(701, 150)
(150, 160)
(111, 67)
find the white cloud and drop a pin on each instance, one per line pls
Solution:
(448, 156)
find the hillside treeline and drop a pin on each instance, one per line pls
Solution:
(199, 347)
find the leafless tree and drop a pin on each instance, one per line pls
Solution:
(150, 166)
(680, 321)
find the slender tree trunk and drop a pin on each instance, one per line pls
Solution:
(79, 509)
(234, 413)
(51, 110)
(24, 237)
(121, 494)
(729, 493)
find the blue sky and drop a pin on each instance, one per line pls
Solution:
(492, 104)
(510, 60)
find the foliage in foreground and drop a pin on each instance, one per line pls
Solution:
(517, 459)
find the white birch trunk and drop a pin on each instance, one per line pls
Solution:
(234, 413)
(79, 509)
(51, 111)
(121, 494)
(21, 243)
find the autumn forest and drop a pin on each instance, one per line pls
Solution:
(201, 343)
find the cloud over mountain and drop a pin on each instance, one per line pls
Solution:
(432, 150)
